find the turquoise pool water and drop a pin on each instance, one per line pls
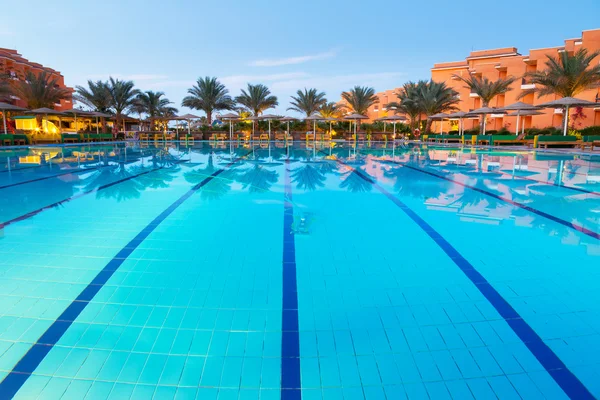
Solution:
(272, 272)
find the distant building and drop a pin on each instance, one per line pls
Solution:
(17, 67)
(503, 62)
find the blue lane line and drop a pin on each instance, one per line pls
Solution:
(577, 227)
(569, 383)
(290, 336)
(36, 354)
(77, 196)
(73, 171)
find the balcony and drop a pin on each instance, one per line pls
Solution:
(526, 85)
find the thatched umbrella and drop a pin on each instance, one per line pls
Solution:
(523, 113)
(45, 112)
(288, 119)
(439, 117)
(566, 103)
(314, 118)
(518, 107)
(269, 118)
(230, 117)
(99, 115)
(460, 115)
(76, 112)
(485, 111)
(187, 117)
(4, 107)
(393, 119)
(355, 118)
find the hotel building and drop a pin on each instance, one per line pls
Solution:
(500, 63)
(17, 67)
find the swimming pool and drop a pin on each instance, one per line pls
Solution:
(336, 272)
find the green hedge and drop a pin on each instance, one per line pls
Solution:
(590, 131)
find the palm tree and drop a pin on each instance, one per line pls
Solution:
(307, 102)
(208, 95)
(332, 110)
(96, 96)
(436, 97)
(154, 105)
(486, 89)
(409, 102)
(566, 75)
(257, 99)
(40, 90)
(360, 98)
(123, 97)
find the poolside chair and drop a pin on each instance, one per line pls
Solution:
(264, 136)
(310, 136)
(280, 136)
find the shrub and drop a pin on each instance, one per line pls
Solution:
(590, 131)
(504, 131)
(491, 132)
(453, 132)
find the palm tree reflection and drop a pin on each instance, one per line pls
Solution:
(308, 177)
(354, 181)
(258, 179)
(216, 187)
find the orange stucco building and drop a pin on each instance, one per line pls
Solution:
(504, 62)
(17, 67)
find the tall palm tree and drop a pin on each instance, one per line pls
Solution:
(331, 110)
(307, 102)
(40, 90)
(436, 97)
(360, 98)
(566, 75)
(409, 102)
(123, 95)
(257, 99)
(486, 89)
(96, 96)
(153, 104)
(208, 95)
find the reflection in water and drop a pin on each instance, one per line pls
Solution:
(308, 177)
(127, 189)
(353, 181)
(414, 184)
(257, 179)
(216, 188)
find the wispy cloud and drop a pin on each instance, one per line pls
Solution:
(336, 81)
(276, 62)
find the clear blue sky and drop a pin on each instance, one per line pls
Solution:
(331, 45)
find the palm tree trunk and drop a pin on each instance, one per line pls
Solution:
(428, 125)
(209, 117)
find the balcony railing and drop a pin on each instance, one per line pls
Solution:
(526, 85)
